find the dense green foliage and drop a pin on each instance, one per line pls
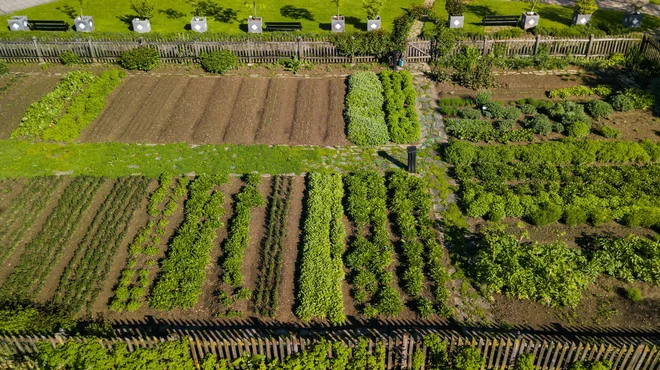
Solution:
(141, 58)
(239, 230)
(45, 113)
(370, 257)
(580, 90)
(84, 108)
(68, 58)
(400, 100)
(410, 204)
(32, 320)
(219, 62)
(270, 271)
(364, 110)
(322, 269)
(482, 130)
(184, 269)
(43, 251)
(4, 69)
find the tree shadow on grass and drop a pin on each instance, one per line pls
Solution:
(481, 10)
(383, 154)
(290, 11)
(172, 13)
(127, 19)
(68, 10)
(356, 22)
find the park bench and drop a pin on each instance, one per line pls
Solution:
(283, 26)
(48, 25)
(501, 20)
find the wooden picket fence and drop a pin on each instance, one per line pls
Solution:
(315, 50)
(500, 351)
(652, 48)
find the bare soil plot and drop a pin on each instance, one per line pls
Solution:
(234, 110)
(18, 97)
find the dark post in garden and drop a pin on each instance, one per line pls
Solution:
(412, 159)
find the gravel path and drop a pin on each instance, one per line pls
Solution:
(10, 6)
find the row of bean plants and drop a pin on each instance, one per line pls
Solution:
(364, 110)
(555, 274)
(136, 277)
(184, 269)
(23, 211)
(422, 255)
(86, 272)
(239, 230)
(235, 245)
(45, 113)
(322, 269)
(400, 101)
(370, 258)
(42, 252)
(84, 108)
(270, 268)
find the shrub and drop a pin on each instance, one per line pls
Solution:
(468, 358)
(622, 103)
(642, 99)
(511, 113)
(219, 62)
(576, 91)
(599, 109)
(610, 132)
(460, 153)
(541, 124)
(364, 113)
(586, 6)
(144, 8)
(494, 110)
(68, 58)
(591, 365)
(546, 214)
(505, 125)
(4, 69)
(400, 101)
(578, 129)
(470, 113)
(483, 97)
(141, 58)
(454, 7)
(527, 109)
(634, 294)
(525, 361)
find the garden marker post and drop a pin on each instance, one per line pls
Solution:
(589, 45)
(412, 159)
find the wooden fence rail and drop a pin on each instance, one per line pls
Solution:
(500, 352)
(652, 48)
(317, 51)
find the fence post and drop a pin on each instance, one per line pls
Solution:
(36, 47)
(485, 51)
(249, 51)
(590, 44)
(92, 52)
(196, 47)
(300, 51)
(536, 44)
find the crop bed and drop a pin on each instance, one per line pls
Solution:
(236, 110)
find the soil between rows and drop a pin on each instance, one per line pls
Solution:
(224, 110)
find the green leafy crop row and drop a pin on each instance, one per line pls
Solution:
(364, 110)
(371, 257)
(322, 269)
(84, 108)
(45, 113)
(400, 101)
(184, 269)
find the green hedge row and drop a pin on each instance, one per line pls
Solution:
(400, 101)
(364, 110)
(322, 269)
(84, 108)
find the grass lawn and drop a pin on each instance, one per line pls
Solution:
(552, 16)
(174, 15)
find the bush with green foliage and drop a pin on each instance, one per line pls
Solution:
(610, 132)
(505, 124)
(455, 8)
(481, 130)
(586, 6)
(494, 110)
(364, 110)
(468, 358)
(400, 101)
(591, 365)
(470, 113)
(219, 62)
(143, 8)
(540, 123)
(69, 58)
(142, 58)
(622, 103)
(634, 294)
(578, 129)
(599, 109)
(642, 99)
(580, 90)
(483, 97)
(524, 361)
(4, 69)
(473, 69)
(527, 109)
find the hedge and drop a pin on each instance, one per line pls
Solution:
(364, 112)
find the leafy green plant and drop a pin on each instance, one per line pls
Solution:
(143, 8)
(527, 109)
(634, 294)
(540, 123)
(4, 69)
(586, 6)
(599, 109)
(372, 7)
(610, 132)
(622, 103)
(468, 358)
(455, 8)
(364, 114)
(400, 100)
(142, 58)
(470, 113)
(578, 129)
(69, 58)
(525, 361)
(483, 97)
(219, 62)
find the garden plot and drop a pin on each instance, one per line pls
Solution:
(235, 110)
(19, 94)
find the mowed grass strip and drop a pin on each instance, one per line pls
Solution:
(174, 15)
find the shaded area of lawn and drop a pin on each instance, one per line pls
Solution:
(229, 15)
(552, 16)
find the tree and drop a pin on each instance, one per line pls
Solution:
(143, 8)
(586, 6)
(337, 3)
(253, 4)
(81, 2)
(372, 7)
(533, 2)
(455, 8)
